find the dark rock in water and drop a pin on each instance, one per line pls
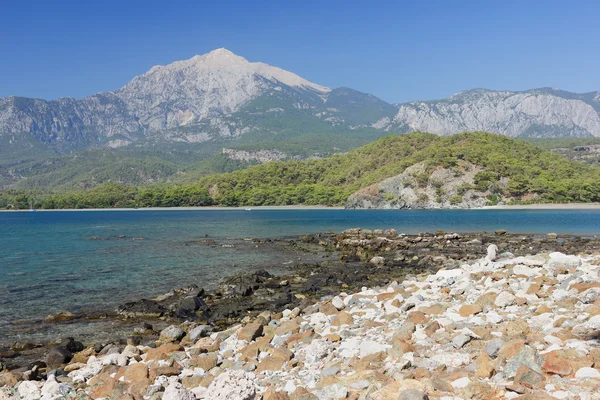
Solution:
(245, 285)
(134, 340)
(72, 345)
(187, 307)
(35, 370)
(21, 346)
(6, 353)
(500, 232)
(57, 357)
(142, 308)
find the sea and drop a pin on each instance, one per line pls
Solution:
(54, 261)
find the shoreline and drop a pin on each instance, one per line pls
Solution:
(207, 208)
(422, 324)
(539, 206)
(546, 206)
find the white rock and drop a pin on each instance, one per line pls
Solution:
(317, 349)
(461, 383)
(335, 391)
(523, 270)
(505, 299)
(593, 324)
(176, 391)
(452, 360)
(338, 303)
(590, 295)
(560, 295)
(368, 347)
(560, 260)
(29, 390)
(319, 321)
(51, 388)
(449, 273)
(232, 384)
(377, 260)
(492, 252)
(587, 372)
(349, 348)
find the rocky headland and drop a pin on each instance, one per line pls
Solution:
(389, 316)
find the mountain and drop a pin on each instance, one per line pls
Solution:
(534, 113)
(218, 95)
(217, 112)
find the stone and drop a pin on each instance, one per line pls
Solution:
(493, 346)
(199, 332)
(317, 349)
(431, 328)
(60, 317)
(417, 318)
(172, 334)
(8, 379)
(370, 362)
(29, 390)
(590, 295)
(492, 252)
(460, 340)
(271, 394)
(232, 384)
(205, 361)
(406, 330)
(176, 391)
(528, 377)
(461, 383)
(342, 318)
(250, 331)
(338, 303)
(528, 357)
(335, 391)
(470, 309)
(505, 299)
(161, 352)
(377, 260)
(287, 327)
(412, 394)
(587, 372)
(136, 372)
(485, 366)
(270, 364)
(57, 357)
(556, 365)
(517, 328)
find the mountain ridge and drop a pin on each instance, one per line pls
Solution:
(192, 109)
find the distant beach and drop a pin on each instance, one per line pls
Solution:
(546, 206)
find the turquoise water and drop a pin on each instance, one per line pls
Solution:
(54, 261)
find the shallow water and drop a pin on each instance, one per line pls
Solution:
(54, 261)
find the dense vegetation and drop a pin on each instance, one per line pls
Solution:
(533, 174)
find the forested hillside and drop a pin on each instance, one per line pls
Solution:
(527, 173)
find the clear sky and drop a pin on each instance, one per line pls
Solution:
(396, 50)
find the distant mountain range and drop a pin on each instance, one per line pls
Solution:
(193, 109)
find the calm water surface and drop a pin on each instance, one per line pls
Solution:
(53, 261)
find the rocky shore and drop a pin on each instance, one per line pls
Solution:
(389, 316)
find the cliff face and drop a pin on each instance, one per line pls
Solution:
(533, 113)
(417, 188)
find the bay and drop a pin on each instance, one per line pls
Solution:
(55, 261)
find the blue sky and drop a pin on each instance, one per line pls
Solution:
(396, 50)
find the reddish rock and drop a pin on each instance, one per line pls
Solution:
(250, 331)
(470, 309)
